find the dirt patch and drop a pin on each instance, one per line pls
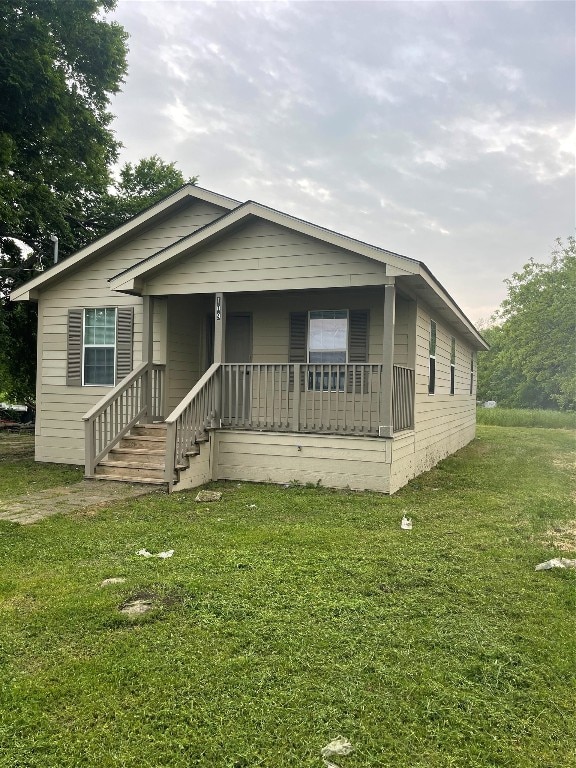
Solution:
(145, 600)
(81, 499)
(563, 537)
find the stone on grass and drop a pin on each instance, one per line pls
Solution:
(208, 496)
(113, 580)
(136, 607)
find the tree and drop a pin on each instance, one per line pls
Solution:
(60, 63)
(138, 186)
(532, 361)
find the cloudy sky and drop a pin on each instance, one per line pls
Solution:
(443, 131)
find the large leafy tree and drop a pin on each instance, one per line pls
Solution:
(60, 63)
(532, 361)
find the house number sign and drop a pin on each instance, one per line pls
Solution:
(218, 308)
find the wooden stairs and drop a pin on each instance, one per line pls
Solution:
(140, 457)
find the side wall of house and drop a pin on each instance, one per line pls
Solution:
(443, 422)
(59, 425)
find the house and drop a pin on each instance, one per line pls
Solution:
(211, 339)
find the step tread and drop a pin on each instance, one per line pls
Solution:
(132, 464)
(131, 479)
(140, 451)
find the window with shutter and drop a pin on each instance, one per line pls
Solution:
(99, 345)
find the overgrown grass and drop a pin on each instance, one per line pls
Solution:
(526, 417)
(311, 614)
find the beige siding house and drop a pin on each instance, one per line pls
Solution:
(212, 339)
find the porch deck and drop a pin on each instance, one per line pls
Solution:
(328, 399)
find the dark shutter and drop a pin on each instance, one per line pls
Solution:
(74, 357)
(298, 340)
(358, 346)
(358, 336)
(298, 344)
(124, 326)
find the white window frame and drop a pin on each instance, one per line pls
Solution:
(98, 346)
(311, 384)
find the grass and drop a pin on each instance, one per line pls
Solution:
(281, 625)
(20, 474)
(526, 417)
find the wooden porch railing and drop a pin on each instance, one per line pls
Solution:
(139, 395)
(322, 398)
(402, 398)
(189, 420)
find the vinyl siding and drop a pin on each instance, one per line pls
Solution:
(59, 426)
(262, 256)
(185, 347)
(443, 422)
(271, 319)
(334, 461)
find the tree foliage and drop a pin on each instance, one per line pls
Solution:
(60, 63)
(532, 361)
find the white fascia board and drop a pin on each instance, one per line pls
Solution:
(27, 290)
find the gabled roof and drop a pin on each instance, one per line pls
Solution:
(413, 275)
(250, 210)
(144, 219)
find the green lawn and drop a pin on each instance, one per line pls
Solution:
(310, 615)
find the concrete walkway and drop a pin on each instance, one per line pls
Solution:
(64, 499)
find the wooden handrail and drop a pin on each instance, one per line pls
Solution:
(183, 404)
(133, 398)
(105, 401)
(188, 421)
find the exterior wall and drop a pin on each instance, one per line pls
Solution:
(186, 353)
(443, 422)
(59, 425)
(336, 461)
(262, 256)
(271, 318)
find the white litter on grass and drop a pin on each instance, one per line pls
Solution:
(251, 506)
(113, 580)
(556, 562)
(406, 523)
(163, 555)
(338, 747)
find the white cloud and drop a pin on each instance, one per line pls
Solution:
(457, 116)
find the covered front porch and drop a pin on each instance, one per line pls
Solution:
(251, 366)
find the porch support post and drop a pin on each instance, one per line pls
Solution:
(148, 350)
(386, 426)
(219, 350)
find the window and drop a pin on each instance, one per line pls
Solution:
(327, 344)
(452, 365)
(432, 359)
(99, 347)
